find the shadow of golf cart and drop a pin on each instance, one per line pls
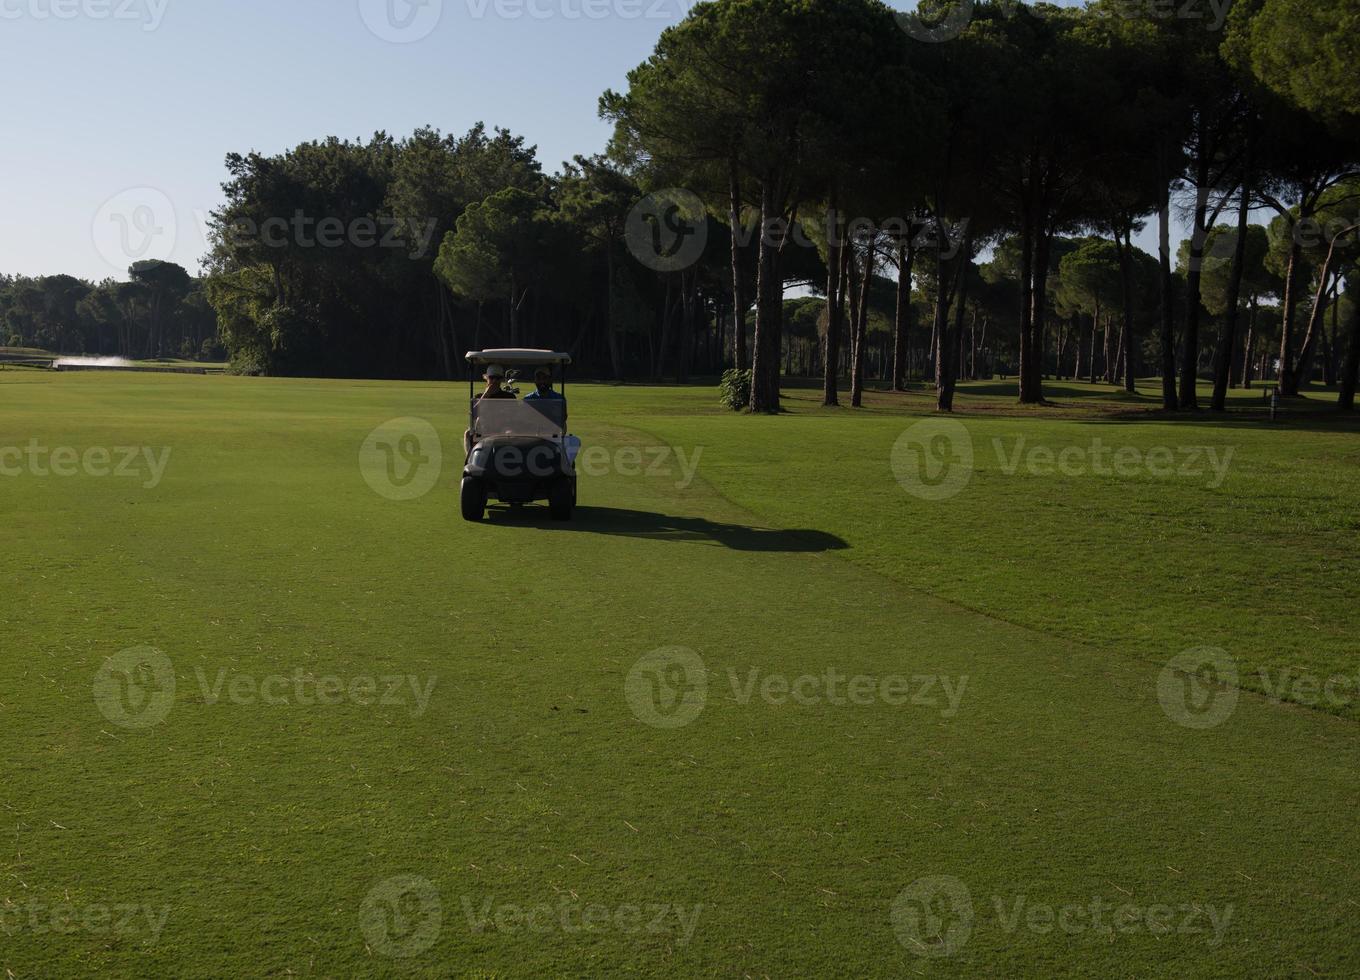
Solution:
(519, 451)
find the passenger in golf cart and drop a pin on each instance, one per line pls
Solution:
(518, 452)
(543, 390)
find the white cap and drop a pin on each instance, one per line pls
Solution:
(495, 371)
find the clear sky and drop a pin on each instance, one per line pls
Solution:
(123, 110)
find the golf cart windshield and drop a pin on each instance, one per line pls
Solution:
(542, 418)
(545, 419)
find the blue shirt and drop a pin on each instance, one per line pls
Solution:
(550, 396)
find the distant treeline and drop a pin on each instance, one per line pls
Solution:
(160, 312)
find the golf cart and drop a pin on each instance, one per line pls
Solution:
(519, 451)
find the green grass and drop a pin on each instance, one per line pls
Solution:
(1261, 564)
(529, 780)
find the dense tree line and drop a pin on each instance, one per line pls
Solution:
(1032, 125)
(161, 311)
(956, 191)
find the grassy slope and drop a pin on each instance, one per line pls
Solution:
(1262, 566)
(263, 828)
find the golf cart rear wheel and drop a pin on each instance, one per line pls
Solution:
(473, 499)
(561, 500)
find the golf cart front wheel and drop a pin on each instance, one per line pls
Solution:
(473, 500)
(562, 500)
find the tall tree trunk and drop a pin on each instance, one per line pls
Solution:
(834, 306)
(862, 326)
(689, 323)
(1169, 400)
(1329, 362)
(1125, 246)
(1189, 391)
(1034, 388)
(1303, 373)
(738, 285)
(1248, 359)
(948, 345)
(973, 346)
(668, 312)
(770, 296)
(1227, 340)
(906, 259)
(1118, 377)
(1351, 372)
(1106, 362)
(1027, 353)
(944, 368)
(1289, 385)
(1121, 373)
(611, 334)
(441, 336)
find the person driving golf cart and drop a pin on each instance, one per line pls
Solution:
(495, 383)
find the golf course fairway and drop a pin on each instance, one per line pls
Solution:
(272, 708)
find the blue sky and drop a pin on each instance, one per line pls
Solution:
(123, 110)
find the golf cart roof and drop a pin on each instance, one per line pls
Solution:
(517, 358)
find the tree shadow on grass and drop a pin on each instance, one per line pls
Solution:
(663, 527)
